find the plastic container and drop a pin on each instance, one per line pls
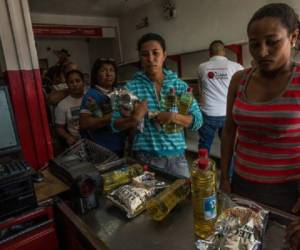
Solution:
(204, 197)
(171, 106)
(162, 204)
(185, 101)
(116, 178)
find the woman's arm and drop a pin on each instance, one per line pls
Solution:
(55, 96)
(193, 120)
(87, 121)
(62, 132)
(293, 234)
(229, 133)
(168, 117)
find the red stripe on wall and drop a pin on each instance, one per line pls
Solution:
(66, 31)
(30, 113)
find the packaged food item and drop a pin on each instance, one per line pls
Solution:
(237, 228)
(147, 180)
(124, 102)
(131, 199)
(204, 197)
(143, 179)
(116, 178)
(162, 204)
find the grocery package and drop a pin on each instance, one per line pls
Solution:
(123, 101)
(240, 226)
(121, 176)
(131, 199)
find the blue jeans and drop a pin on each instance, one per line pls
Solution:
(177, 165)
(211, 124)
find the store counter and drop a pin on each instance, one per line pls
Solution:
(112, 227)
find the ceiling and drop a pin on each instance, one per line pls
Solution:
(103, 8)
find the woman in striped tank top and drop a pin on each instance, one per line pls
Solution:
(263, 114)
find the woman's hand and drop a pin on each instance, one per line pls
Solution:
(140, 110)
(71, 140)
(296, 207)
(293, 234)
(165, 117)
(225, 185)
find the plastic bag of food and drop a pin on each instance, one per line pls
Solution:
(240, 227)
(147, 180)
(130, 199)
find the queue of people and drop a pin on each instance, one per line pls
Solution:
(262, 120)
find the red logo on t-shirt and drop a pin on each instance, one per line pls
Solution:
(210, 74)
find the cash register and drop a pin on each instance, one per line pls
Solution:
(17, 193)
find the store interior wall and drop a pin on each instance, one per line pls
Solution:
(196, 24)
(83, 51)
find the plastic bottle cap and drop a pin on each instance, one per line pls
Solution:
(203, 153)
(146, 168)
(203, 163)
(188, 181)
(172, 90)
(190, 90)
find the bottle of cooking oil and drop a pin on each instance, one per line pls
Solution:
(171, 106)
(116, 178)
(204, 197)
(161, 205)
(185, 101)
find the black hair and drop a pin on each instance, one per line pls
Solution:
(286, 14)
(74, 71)
(65, 67)
(97, 65)
(151, 37)
(213, 48)
(54, 71)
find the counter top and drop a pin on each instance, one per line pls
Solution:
(110, 224)
(49, 187)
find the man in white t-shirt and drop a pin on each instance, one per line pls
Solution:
(214, 77)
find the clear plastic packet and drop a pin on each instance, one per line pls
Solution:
(147, 180)
(130, 199)
(240, 226)
(124, 102)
